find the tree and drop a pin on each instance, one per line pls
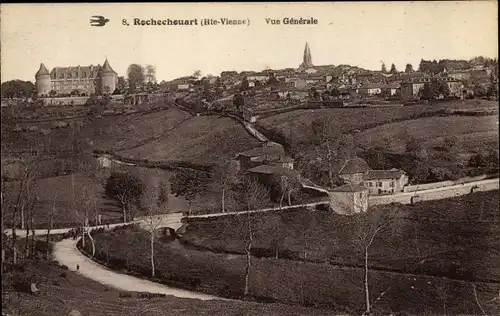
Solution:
(245, 85)
(273, 81)
(335, 92)
(393, 69)
(150, 74)
(154, 202)
(18, 89)
(135, 76)
(492, 90)
(84, 200)
(238, 101)
(197, 73)
(225, 176)
(332, 146)
(384, 68)
(51, 214)
(52, 93)
(20, 198)
(435, 89)
(409, 68)
(284, 185)
(189, 184)
(126, 188)
(367, 226)
(122, 83)
(255, 196)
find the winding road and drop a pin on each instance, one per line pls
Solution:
(65, 252)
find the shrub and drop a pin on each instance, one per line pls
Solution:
(63, 274)
(64, 267)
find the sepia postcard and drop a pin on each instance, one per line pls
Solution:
(306, 159)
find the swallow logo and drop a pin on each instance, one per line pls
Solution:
(98, 20)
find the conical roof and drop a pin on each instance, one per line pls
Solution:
(42, 71)
(106, 68)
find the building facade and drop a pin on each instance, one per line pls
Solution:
(380, 182)
(81, 81)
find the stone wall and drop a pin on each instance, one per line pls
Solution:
(435, 185)
(437, 193)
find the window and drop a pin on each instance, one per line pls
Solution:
(361, 195)
(370, 184)
(379, 184)
(391, 184)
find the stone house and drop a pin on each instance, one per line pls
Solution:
(380, 182)
(352, 170)
(349, 199)
(259, 76)
(411, 89)
(298, 83)
(266, 154)
(456, 87)
(391, 89)
(370, 89)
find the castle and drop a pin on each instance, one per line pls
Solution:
(82, 81)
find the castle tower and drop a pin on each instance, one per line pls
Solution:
(42, 81)
(307, 59)
(108, 78)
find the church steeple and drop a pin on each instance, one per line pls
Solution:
(307, 59)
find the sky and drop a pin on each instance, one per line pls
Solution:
(359, 34)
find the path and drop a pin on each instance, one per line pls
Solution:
(172, 220)
(65, 252)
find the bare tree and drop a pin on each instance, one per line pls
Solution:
(333, 145)
(225, 175)
(84, 197)
(255, 196)
(155, 204)
(368, 225)
(52, 211)
(21, 196)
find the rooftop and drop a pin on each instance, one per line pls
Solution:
(267, 149)
(349, 188)
(268, 169)
(353, 165)
(383, 174)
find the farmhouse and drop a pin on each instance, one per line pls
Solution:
(270, 153)
(349, 199)
(352, 170)
(385, 181)
(369, 89)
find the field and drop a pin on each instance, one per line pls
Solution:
(422, 260)
(202, 139)
(169, 134)
(473, 133)
(296, 125)
(62, 291)
(63, 189)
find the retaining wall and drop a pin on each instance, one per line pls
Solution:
(435, 185)
(437, 193)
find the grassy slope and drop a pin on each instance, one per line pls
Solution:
(456, 237)
(473, 132)
(296, 125)
(59, 295)
(202, 139)
(165, 135)
(62, 188)
(332, 287)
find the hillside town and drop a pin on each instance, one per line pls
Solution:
(311, 190)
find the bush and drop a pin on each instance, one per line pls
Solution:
(64, 267)
(63, 274)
